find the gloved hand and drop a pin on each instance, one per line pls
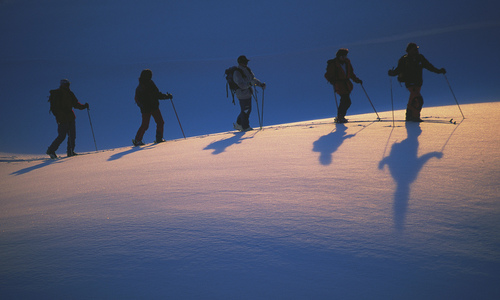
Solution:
(392, 72)
(86, 105)
(166, 96)
(357, 80)
(442, 71)
(263, 85)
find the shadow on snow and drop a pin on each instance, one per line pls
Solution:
(328, 144)
(46, 162)
(405, 165)
(119, 155)
(220, 146)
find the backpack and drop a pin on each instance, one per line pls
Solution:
(402, 65)
(54, 101)
(330, 71)
(401, 77)
(230, 82)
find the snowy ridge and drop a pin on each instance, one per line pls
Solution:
(308, 210)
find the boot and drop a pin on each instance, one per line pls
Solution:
(52, 154)
(137, 143)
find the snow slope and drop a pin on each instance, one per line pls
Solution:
(308, 210)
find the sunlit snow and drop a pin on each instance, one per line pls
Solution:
(308, 210)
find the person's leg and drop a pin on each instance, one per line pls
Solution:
(62, 131)
(415, 103)
(246, 109)
(146, 117)
(345, 103)
(159, 124)
(71, 138)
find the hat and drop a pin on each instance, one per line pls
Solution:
(65, 82)
(146, 74)
(342, 52)
(411, 46)
(243, 59)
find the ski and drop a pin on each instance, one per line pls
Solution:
(56, 158)
(237, 127)
(340, 121)
(344, 120)
(159, 142)
(137, 143)
(240, 129)
(438, 121)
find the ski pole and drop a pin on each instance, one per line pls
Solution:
(392, 102)
(262, 118)
(257, 105)
(336, 103)
(454, 95)
(370, 101)
(92, 128)
(175, 111)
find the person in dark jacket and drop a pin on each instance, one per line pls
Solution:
(245, 79)
(409, 71)
(146, 97)
(62, 101)
(339, 73)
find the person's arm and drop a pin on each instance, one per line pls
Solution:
(426, 64)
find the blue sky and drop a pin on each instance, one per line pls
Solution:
(102, 46)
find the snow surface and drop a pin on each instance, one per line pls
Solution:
(308, 210)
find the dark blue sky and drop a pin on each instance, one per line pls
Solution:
(102, 46)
